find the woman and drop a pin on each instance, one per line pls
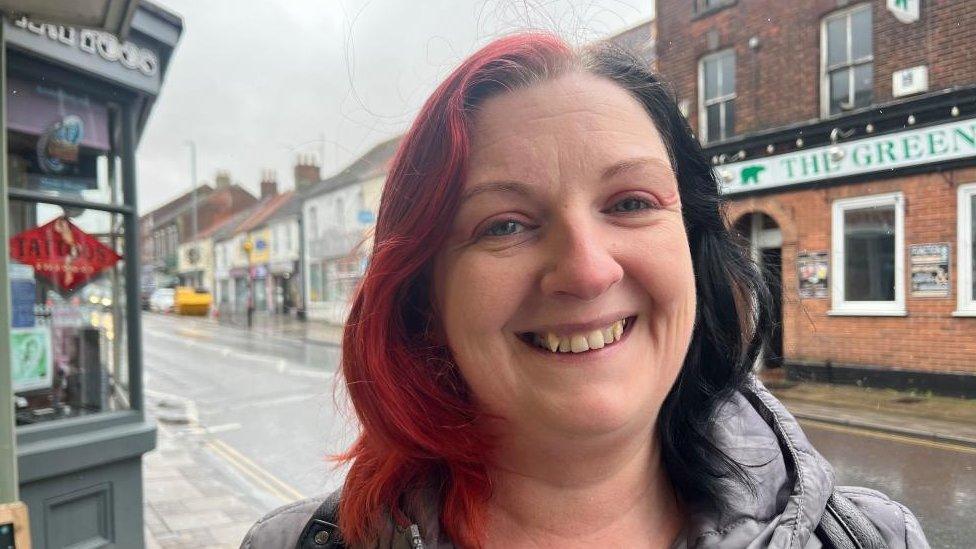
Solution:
(553, 343)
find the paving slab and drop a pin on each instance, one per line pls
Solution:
(190, 503)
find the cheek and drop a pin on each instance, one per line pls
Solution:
(661, 264)
(478, 297)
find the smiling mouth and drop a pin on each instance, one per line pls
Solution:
(579, 342)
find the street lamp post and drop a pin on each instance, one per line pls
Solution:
(193, 179)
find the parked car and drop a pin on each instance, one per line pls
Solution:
(192, 301)
(162, 300)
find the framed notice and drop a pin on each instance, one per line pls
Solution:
(930, 269)
(811, 271)
(30, 358)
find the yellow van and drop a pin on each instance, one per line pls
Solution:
(192, 301)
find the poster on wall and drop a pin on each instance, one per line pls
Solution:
(811, 270)
(30, 358)
(930, 269)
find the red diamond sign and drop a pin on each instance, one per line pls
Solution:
(62, 253)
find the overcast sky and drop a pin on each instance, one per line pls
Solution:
(254, 84)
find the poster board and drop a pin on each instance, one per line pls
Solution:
(31, 362)
(812, 270)
(930, 269)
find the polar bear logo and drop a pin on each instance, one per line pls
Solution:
(750, 174)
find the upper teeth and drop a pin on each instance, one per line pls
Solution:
(577, 343)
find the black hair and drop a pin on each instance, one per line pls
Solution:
(733, 312)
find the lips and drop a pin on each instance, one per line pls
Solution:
(579, 342)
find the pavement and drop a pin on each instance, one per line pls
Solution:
(216, 471)
(911, 414)
(287, 326)
(191, 500)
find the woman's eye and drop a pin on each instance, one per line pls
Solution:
(628, 205)
(504, 228)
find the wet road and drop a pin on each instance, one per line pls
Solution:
(936, 481)
(269, 407)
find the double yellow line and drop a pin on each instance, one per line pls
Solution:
(253, 471)
(904, 439)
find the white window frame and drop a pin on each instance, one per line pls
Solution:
(703, 104)
(824, 74)
(965, 300)
(839, 305)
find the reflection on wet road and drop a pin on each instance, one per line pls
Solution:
(936, 481)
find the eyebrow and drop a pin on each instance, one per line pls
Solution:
(513, 187)
(633, 163)
(519, 188)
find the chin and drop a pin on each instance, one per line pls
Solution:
(602, 413)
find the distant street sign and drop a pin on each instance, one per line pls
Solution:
(906, 11)
(366, 217)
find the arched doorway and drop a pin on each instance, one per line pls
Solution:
(766, 247)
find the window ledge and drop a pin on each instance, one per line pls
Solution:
(964, 313)
(867, 312)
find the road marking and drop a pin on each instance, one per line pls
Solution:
(905, 439)
(222, 428)
(235, 459)
(254, 471)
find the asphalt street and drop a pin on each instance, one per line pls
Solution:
(270, 409)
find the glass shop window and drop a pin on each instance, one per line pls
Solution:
(59, 142)
(868, 240)
(848, 68)
(68, 322)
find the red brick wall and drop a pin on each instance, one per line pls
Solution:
(929, 338)
(778, 83)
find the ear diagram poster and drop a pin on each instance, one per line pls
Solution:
(30, 358)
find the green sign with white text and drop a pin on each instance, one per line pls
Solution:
(886, 152)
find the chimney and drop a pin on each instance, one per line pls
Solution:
(306, 171)
(222, 179)
(269, 184)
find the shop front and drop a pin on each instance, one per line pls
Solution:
(76, 103)
(865, 228)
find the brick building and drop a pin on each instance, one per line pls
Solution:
(164, 229)
(845, 134)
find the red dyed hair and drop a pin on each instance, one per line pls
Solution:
(418, 425)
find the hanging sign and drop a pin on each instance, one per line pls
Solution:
(930, 270)
(30, 358)
(941, 143)
(62, 253)
(906, 11)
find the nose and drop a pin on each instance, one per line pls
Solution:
(581, 264)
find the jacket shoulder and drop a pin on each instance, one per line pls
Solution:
(281, 527)
(897, 525)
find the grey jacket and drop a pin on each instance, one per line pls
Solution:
(793, 483)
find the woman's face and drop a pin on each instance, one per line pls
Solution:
(565, 290)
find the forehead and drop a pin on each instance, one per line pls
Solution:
(576, 119)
